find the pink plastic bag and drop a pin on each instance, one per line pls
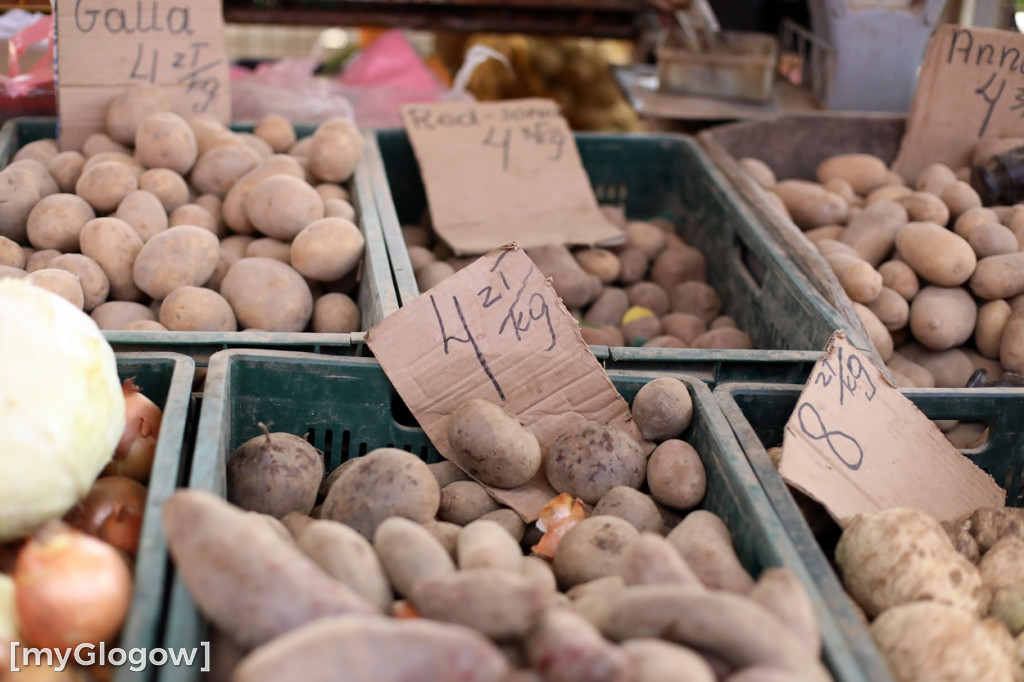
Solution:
(39, 75)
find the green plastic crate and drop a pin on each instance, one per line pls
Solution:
(348, 407)
(657, 176)
(166, 379)
(376, 297)
(758, 414)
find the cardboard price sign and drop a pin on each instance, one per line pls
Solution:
(971, 88)
(105, 46)
(856, 445)
(496, 330)
(502, 172)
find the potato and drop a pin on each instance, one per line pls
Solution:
(899, 277)
(105, 185)
(274, 473)
(282, 205)
(493, 446)
(602, 336)
(872, 233)
(217, 169)
(12, 255)
(144, 212)
(652, 560)
(6, 271)
(936, 254)
(94, 283)
(348, 557)
(57, 221)
(600, 262)
(647, 238)
(445, 533)
(829, 247)
(891, 309)
(908, 543)
(722, 625)
(683, 326)
(510, 522)
(859, 279)
(130, 106)
(662, 409)
(165, 140)
(655, 660)
(124, 159)
(194, 214)
(265, 247)
(98, 143)
(665, 341)
(327, 249)
(370, 650)
(245, 578)
(66, 168)
(920, 376)
(934, 177)
(277, 131)
(629, 504)
(60, 282)
(180, 256)
(1011, 348)
(889, 191)
(486, 544)
(409, 553)
(47, 185)
(678, 264)
(998, 277)
(609, 308)
(339, 208)
(696, 298)
(267, 294)
(114, 315)
(989, 525)
(336, 149)
(969, 220)
(572, 467)
(565, 646)
(335, 313)
(19, 193)
(992, 239)
(465, 501)
(810, 205)
(233, 209)
(724, 337)
(951, 368)
(385, 482)
(447, 472)
(942, 318)
(931, 641)
(113, 244)
(196, 309)
(703, 540)
(864, 172)
(988, 331)
(959, 197)
(676, 476)
(779, 591)
(167, 186)
(592, 549)
(758, 171)
(925, 207)
(41, 150)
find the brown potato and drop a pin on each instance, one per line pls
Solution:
(165, 140)
(144, 212)
(859, 279)
(233, 208)
(113, 244)
(94, 282)
(282, 205)
(759, 171)
(196, 309)
(992, 239)
(410, 552)
(327, 249)
(114, 315)
(131, 105)
(942, 318)
(936, 254)
(925, 207)
(676, 476)
(703, 540)
(629, 504)
(649, 239)
(11, 254)
(934, 177)
(592, 549)
(66, 168)
(873, 232)
(683, 326)
(678, 264)
(217, 169)
(60, 282)
(891, 309)
(724, 337)
(267, 294)
(265, 247)
(277, 131)
(194, 214)
(662, 409)
(40, 259)
(181, 256)
(98, 143)
(339, 208)
(999, 277)
(696, 298)
(105, 185)
(900, 277)
(19, 193)
(494, 447)
(336, 150)
(892, 192)
(335, 313)
(600, 262)
(864, 172)
(274, 473)
(609, 308)
(571, 468)
(959, 196)
(810, 205)
(169, 187)
(971, 218)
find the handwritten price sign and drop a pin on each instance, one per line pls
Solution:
(857, 445)
(502, 172)
(971, 88)
(105, 46)
(496, 330)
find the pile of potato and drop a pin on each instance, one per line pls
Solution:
(406, 570)
(946, 601)
(936, 278)
(651, 291)
(163, 223)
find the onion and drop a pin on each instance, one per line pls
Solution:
(112, 511)
(133, 456)
(556, 518)
(70, 589)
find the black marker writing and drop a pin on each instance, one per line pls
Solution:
(446, 339)
(836, 440)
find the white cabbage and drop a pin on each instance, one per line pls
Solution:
(62, 409)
